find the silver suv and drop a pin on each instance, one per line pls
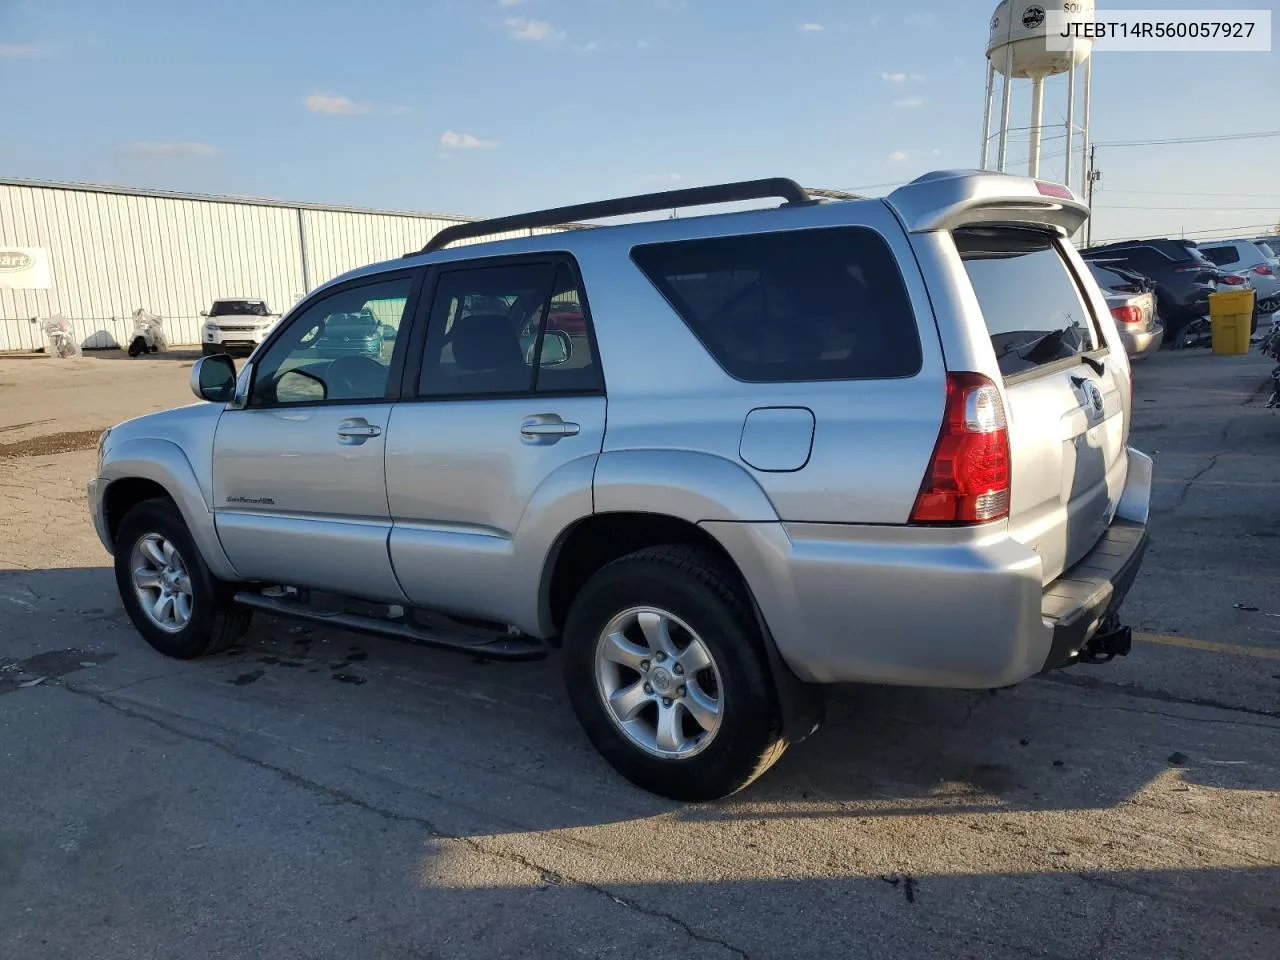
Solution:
(716, 461)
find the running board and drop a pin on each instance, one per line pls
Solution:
(495, 647)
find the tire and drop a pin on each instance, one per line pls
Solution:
(214, 622)
(706, 604)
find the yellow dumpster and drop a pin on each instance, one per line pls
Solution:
(1230, 317)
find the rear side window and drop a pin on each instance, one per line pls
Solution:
(797, 305)
(1222, 256)
(1029, 298)
(1268, 251)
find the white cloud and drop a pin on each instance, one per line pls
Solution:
(935, 152)
(176, 148)
(22, 50)
(910, 103)
(589, 47)
(521, 28)
(643, 44)
(922, 19)
(338, 106)
(465, 141)
(510, 3)
(812, 28)
(899, 156)
(901, 76)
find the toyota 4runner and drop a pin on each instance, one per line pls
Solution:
(873, 440)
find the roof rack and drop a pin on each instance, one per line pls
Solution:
(788, 190)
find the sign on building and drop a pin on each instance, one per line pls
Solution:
(24, 268)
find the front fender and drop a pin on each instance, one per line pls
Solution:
(163, 462)
(679, 483)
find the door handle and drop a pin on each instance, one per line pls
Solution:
(546, 428)
(357, 431)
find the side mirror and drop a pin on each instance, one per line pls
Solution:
(204, 313)
(557, 348)
(388, 332)
(213, 378)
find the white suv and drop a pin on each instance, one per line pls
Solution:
(236, 324)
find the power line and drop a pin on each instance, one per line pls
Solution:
(1189, 233)
(1222, 138)
(1200, 193)
(1143, 206)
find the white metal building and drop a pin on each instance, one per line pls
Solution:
(95, 254)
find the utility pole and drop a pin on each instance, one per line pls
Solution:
(1091, 177)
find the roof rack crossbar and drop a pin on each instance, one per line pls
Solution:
(788, 190)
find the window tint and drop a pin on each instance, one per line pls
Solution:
(1268, 251)
(339, 348)
(1222, 256)
(239, 308)
(1106, 278)
(1029, 299)
(567, 360)
(799, 305)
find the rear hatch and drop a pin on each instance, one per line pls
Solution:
(1063, 390)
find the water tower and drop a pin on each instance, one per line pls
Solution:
(1017, 49)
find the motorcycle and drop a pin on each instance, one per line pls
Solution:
(1270, 346)
(148, 334)
(57, 331)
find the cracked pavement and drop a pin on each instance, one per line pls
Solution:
(250, 805)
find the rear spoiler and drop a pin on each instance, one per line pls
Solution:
(952, 198)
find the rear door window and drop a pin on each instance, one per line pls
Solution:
(1030, 301)
(796, 305)
(1222, 256)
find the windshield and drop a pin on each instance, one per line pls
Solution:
(239, 308)
(1030, 301)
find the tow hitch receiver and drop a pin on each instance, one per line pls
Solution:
(1112, 640)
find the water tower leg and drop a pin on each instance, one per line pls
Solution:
(1071, 122)
(1037, 112)
(1005, 92)
(986, 114)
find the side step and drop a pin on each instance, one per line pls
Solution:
(494, 646)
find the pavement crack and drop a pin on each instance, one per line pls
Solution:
(1108, 925)
(1146, 693)
(436, 832)
(1188, 484)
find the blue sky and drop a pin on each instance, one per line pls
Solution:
(493, 106)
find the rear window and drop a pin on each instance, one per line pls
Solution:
(797, 305)
(1267, 249)
(1105, 277)
(1029, 299)
(1222, 256)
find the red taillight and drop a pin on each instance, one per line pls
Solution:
(968, 478)
(1231, 279)
(1127, 314)
(1262, 270)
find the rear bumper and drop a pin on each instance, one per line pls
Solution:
(1077, 603)
(1139, 344)
(933, 607)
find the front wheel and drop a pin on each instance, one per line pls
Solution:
(177, 605)
(666, 671)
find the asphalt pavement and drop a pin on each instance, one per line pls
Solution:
(316, 794)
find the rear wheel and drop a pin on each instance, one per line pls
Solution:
(666, 672)
(177, 605)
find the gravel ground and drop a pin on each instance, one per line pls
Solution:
(318, 794)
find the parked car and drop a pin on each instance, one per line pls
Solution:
(876, 440)
(1252, 258)
(236, 324)
(1133, 308)
(1182, 275)
(358, 333)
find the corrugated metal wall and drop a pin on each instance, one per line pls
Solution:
(113, 251)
